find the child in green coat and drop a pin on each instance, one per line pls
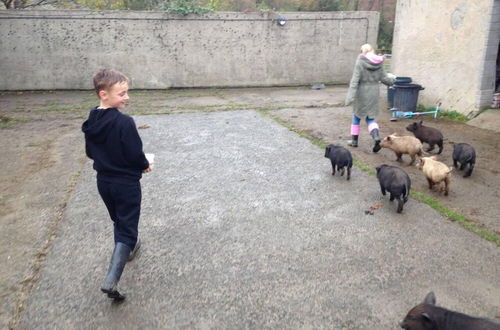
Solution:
(363, 93)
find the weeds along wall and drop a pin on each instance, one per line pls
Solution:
(44, 50)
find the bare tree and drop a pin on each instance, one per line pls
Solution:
(13, 4)
(21, 4)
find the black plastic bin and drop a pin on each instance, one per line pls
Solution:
(406, 97)
(390, 89)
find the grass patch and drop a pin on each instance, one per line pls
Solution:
(54, 107)
(301, 133)
(184, 109)
(436, 205)
(6, 122)
(174, 93)
(450, 115)
(147, 109)
(454, 216)
(453, 115)
(365, 168)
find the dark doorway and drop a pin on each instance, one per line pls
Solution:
(497, 80)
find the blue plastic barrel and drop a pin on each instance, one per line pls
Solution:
(390, 89)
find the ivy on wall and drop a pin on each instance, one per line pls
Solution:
(184, 7)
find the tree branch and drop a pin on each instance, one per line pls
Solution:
(7, 3)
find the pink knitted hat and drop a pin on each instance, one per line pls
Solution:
(375, 59)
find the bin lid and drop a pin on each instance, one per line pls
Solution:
(408, 86)
(403, 80)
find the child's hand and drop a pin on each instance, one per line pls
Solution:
(149, 169)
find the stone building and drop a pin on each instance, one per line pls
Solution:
(450, 47)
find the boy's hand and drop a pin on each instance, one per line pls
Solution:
(149, 169)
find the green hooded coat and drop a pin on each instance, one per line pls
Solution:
(363, 91)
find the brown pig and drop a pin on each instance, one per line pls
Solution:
(403, 145)
(435, 172)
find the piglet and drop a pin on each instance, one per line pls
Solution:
(403, 145)
(464, 154)
(396, 181)
(340, 158)
(427, 134)
(435, 172)
(428, 316)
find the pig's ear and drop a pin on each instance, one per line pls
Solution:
(433, 157)
(430, 299)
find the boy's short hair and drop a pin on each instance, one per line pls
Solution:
(105, 78)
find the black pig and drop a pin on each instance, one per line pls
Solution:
(427, 316)
(396, 182)
(464, 154)
(427, 134)
(340, 158)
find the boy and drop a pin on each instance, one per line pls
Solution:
(112, 141)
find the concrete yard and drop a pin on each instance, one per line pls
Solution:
(243, 226)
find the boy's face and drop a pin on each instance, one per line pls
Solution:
(115, 97)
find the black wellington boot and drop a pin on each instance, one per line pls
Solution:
(115, 270)
(135, 250)
(354, 141)
(376, 138)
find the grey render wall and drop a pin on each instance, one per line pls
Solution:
(490, 53)
(450, 48)
(63, 49)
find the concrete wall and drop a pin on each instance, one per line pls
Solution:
(63, 49)
(490, 53)
(443, 45)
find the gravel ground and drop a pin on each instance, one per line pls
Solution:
(244, 227)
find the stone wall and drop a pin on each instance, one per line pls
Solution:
(63, 49)
(449, 47)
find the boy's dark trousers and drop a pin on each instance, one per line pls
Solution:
(123, 202)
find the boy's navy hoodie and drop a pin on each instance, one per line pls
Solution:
(112, 141)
